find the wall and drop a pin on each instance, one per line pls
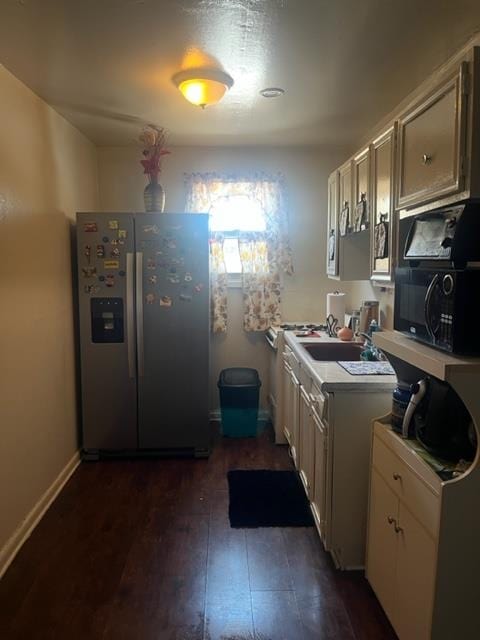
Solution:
(47, 172)
(364, 290)
(306, 169)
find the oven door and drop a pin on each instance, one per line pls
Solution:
(418, 303)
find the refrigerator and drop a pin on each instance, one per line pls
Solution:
(143, 305)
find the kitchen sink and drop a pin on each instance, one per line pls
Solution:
(333, 351)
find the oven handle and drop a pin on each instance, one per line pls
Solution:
(428, 299)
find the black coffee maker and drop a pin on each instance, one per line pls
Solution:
(441, 422)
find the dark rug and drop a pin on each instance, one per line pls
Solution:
(264, 498)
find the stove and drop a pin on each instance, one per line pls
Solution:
(303, 327)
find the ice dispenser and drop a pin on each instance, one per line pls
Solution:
(107, 319)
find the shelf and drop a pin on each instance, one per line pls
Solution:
(418, 458)
(436, 363)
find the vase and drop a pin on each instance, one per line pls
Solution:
(154, 197)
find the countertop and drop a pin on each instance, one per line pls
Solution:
(330, 376)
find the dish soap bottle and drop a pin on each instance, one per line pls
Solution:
(373, 327)
(370, 351)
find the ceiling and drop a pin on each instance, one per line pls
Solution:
(106, 65)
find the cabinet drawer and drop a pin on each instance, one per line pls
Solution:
(431, 145)
(414, 493)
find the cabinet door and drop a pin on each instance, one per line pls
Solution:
(287, 421)
(345, 208)
(416, 553)
(361, 191)
(319, 501)
(383, 222)
(332, 225)
(306, 448)
(431, 144)
(294, 393)
(382, 542)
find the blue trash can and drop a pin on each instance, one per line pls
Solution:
(239, 389)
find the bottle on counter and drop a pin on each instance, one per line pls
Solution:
(373, 327)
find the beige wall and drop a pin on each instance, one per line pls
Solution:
(306, 170)
(363, 290)
(47, 171)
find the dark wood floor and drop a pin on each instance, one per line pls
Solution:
(143, 550)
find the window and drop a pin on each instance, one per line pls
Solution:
(248, 242)
(231, 216)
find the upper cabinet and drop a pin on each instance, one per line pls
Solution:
(383, 223)
(428, 156)
(332, 225)
(438, 153)
(348, 251)
(345, 197)
(361, 191)
(431, 144)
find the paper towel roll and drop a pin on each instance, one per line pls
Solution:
(336, 306)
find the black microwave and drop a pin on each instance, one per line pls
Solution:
(439, 307)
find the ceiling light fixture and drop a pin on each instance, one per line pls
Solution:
(203, 87)
(272, 92)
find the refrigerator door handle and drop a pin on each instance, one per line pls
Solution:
(130, 318)
(139, 287)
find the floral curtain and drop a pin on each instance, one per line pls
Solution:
(264, 255)
(218, 285)
(261, 285)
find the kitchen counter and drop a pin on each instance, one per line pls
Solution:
(330, 376)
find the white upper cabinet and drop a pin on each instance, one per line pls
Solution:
(438, 153)
(347, 251)
(383, 223)
(431, 143)
(345, 197)
(332, 225)
(428, 156)
(361, 192)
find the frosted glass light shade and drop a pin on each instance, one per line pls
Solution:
(203, 87)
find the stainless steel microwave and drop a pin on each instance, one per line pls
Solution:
(439, 307)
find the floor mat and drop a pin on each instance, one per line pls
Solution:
(266, 498)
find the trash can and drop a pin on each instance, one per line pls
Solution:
(239, 390)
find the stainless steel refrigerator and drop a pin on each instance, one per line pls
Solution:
(143, 301)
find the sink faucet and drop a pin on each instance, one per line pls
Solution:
(377, 353)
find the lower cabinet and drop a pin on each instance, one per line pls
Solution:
(416, 553)
(329, 437)
(291, 393)
(382, 542)
(306, 443)
(405, 533)
(401, 562)
(321, 483)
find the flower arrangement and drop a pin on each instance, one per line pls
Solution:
(154, 141)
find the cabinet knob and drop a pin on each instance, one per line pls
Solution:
(398, 529)
(397, 476)
(426, 158)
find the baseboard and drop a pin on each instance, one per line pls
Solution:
(263, 415)
(24, 531)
